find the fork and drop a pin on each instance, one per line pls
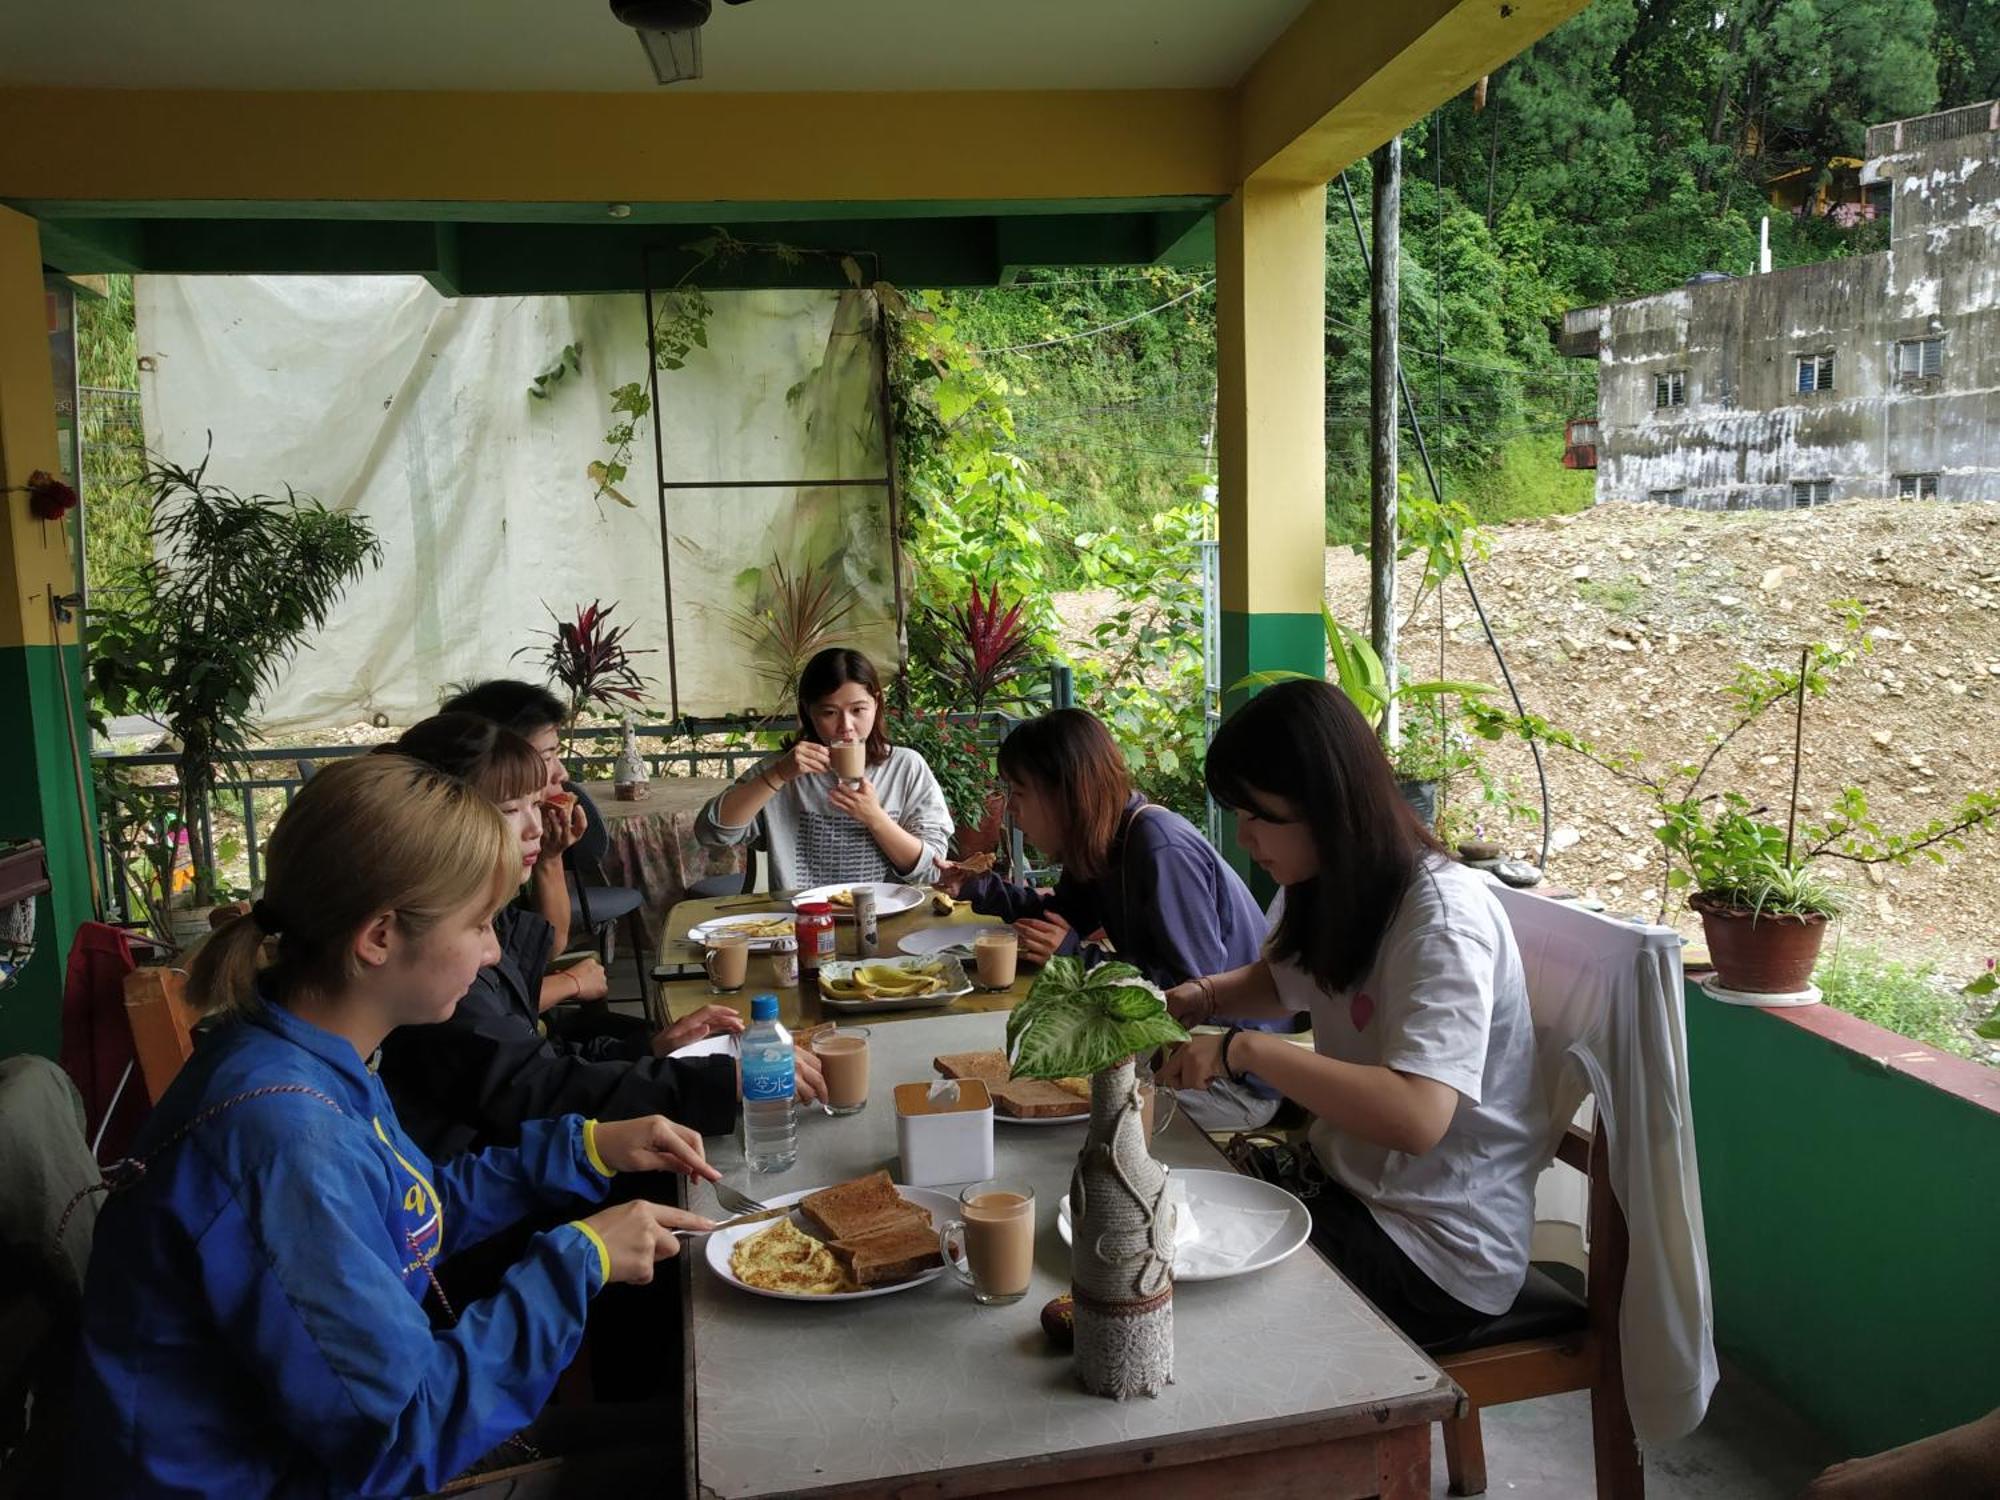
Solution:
(737, 1203)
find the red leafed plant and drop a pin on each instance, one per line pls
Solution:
(588, 656)
(989, 647)
(49, 499)
(794, 617)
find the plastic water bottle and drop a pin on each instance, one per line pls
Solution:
(770, 1133)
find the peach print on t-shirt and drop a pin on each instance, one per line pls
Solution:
(1361, 1010)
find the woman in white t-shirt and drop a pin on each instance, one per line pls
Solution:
(1426, 1133)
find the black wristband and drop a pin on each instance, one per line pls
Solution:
(1227, 1037)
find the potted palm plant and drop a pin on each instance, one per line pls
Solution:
(196, 633)
(1092, 1023)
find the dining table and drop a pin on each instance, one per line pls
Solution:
(1286, 1381)
(802, 1002)
(652, 847)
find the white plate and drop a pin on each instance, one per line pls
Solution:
(891, 897)
(942, 1207)
(1218, 1192)
(720, 926)
(950, 971)
(1079, 1119)
(956, 939)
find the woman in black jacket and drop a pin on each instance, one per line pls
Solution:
(472, 1081)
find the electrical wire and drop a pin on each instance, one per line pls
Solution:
(1091, 333)
(1437, 493)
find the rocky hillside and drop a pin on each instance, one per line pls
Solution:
(1623, 624)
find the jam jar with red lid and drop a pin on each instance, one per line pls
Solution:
(814, 926)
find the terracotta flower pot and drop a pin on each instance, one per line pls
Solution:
(1767, 954)
(984, 837)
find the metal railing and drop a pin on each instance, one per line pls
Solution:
(282, 770)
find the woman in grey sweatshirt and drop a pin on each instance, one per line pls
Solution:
(891, 825)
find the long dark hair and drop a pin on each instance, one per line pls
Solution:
(1304, 742)
(497, 762)
(825, 675)
(1070, 756)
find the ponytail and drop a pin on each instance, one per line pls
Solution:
(378, 833)
(222, 980)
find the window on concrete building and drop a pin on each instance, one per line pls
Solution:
(1806, 492)
(1919, 359)
(1815, 373)
(1916, 486)
(1667, 497)
(1670, 389)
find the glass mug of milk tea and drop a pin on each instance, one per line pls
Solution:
(850, 759)
(727, 962)
(843, 1061)
(991, 1244)
(995, 956)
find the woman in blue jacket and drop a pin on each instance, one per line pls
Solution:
(254, 1313)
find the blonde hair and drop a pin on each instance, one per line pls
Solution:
(371, 834)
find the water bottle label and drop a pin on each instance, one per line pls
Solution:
(768, 1080)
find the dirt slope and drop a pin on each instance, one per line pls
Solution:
(1623, 623)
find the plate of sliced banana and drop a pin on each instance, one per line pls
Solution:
(857, 986)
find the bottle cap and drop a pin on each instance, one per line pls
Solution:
(764, 1008)
(815, 908)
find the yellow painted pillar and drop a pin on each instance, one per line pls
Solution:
(38, 796)
(1270, 283)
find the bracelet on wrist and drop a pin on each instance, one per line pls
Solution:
(1208, 998)
(1229, 1037)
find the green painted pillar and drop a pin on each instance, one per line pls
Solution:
(1270, 283)
(38, 779)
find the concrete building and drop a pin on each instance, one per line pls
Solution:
(1875, 376)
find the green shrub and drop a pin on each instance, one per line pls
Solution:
(1911, 1000)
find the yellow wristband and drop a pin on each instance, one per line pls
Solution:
(590, 1149)
(603, 1250)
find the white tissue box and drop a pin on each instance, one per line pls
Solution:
(944, 1141)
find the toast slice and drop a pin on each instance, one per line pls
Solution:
(862, 1206)
(893, 1254)
(1036, 1099)
(988, 1067)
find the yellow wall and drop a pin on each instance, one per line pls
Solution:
(666, 147)
(1270, 277)
(34, 555)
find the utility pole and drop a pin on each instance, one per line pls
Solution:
(1383, 357)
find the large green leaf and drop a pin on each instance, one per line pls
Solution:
(1077, 1021)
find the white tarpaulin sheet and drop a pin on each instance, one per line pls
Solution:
(379, 396)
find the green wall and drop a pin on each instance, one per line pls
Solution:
(1853, 1227)
(38, 800)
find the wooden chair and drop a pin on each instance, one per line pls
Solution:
(1550, 1342)
(162, 1025)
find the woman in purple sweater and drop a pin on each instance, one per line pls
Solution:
(1142, 875)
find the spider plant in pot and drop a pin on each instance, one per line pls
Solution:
(1752, 881)
(1092, 1022)
(1762, 909)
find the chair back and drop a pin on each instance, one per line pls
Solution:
(1577, 965)
(162, 1025)
(97, 1048)
(589, 851)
